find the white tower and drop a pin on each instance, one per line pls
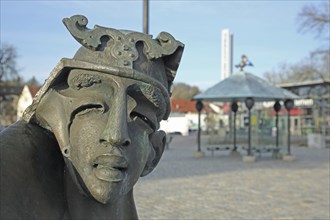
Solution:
(226, 53)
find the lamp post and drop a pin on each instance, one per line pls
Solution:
(234, 108)
(249, 102)
(288, 105)
(277, 108)
(199, 107)
(146, 16)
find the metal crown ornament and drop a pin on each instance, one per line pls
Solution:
(119, 46)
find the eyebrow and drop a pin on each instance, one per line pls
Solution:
(84, 80)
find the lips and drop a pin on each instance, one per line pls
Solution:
(110, 167)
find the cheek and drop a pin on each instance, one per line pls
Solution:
(140, 148)
(84, 138)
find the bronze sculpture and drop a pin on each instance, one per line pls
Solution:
(93, 128)
(244, 62)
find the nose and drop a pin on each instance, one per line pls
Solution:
(115, 135)
(116, 130)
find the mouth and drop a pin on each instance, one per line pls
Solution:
(110, 168)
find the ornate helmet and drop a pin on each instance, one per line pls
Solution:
(117, 52)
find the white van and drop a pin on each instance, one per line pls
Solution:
(176, 123)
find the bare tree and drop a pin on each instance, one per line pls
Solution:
(33, 82)
(315, 18)
(278, 75)
(310, 68)
(8, 67)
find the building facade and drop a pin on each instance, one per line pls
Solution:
(25, 99)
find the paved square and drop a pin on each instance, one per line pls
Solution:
(224, 187)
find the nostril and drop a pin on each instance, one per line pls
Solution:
(102, 140)
(126, 143)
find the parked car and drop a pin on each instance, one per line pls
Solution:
(176, 124)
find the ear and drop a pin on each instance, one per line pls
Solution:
(158, 141)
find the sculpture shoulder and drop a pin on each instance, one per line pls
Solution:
(31, 173)
(25, 134)
(23, 142)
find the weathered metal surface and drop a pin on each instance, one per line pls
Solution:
(99, 113)
(31, 174)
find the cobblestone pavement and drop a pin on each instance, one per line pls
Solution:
(224, 187)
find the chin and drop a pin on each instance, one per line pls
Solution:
(105, 192)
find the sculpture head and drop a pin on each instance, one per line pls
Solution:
(104, 106)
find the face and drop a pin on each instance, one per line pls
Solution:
(112, 119)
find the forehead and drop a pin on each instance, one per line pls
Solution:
(80, 79)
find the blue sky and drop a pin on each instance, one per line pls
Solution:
(266, 31)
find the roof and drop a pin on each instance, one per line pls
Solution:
(242, 85)
(186, 106)
(183, 106)
(304, 83)
(34, 90)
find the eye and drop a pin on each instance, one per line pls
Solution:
(88, 109)
(137, 116)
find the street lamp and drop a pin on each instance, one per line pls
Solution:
(249, 102)
(288, 105)
(146, 16)
(199, 107)
(234, 108)
(277, 108)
